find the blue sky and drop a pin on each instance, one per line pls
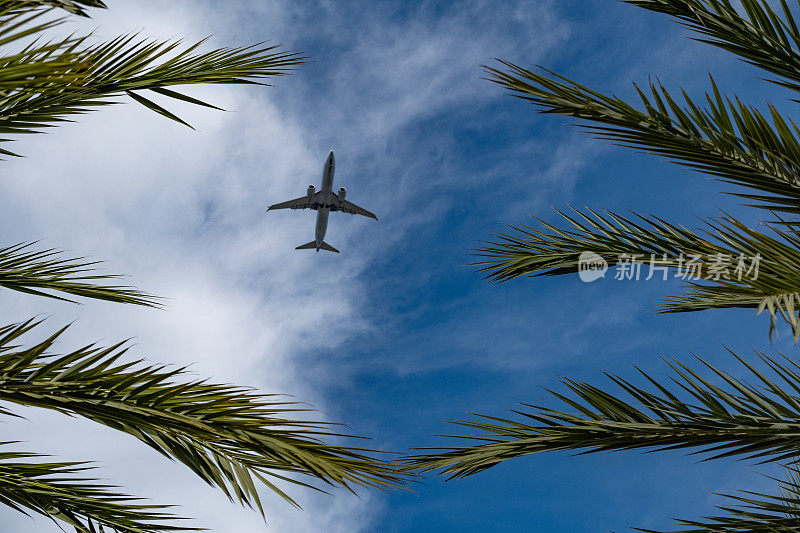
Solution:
(397, 333)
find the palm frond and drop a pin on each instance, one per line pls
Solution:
(731, 418)
(716, 254)
(227, 435)
(752, 512)
(61, 491)
(790, 487)
(45, 272)
(75, 7)
(760, 35)
(729, 140)
(45, 83)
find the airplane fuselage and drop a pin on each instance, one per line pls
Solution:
(327, 189)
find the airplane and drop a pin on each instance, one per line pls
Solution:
(323, 202)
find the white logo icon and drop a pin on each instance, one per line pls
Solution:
(591, 267)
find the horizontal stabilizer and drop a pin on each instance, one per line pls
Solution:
(313, 246)
(326, 246)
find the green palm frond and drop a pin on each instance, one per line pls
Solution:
(791, 485)
(730, 418)
(753, 512)
(550, 250)
(761, 35)
(43, 272)
(61, 491)
(75, 7)
(717, 255)
(228, 435)
(729, 140)
(45, 83)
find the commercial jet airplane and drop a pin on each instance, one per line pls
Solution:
(323, 202)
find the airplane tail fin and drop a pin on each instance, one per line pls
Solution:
(313, 246)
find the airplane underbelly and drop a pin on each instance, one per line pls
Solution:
(322, 224)
(327, 181)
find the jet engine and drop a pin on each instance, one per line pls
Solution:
(342, 193)
(310, 191)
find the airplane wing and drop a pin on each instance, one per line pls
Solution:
(303, 202)
(353, 209)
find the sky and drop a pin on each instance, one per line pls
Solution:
(398, 333)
